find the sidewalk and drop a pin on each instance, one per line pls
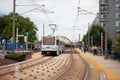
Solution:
(111, 67)
(108, 63)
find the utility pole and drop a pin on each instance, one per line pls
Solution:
(106, 36)
(88, 36)
(26, 40)
(13, 28)
(101, 43)
(91, 40)
(16, 38)
(43, 29)
(79, 37)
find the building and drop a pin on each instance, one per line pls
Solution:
(96, 20)
(112, 9)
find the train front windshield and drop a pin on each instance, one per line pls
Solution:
(48, 41)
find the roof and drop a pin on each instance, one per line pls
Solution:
(65, 40)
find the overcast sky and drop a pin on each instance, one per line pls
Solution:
(64, 16)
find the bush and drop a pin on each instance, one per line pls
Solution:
(116, 45)
(16, 56)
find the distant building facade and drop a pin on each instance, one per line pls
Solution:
(113, 16)
(96, 20)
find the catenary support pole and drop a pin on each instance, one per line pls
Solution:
(13, 28)
(106, 38)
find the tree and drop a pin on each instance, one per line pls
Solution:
(116, 46)
(95, 32)
(85, 40)
(4, 22)
(23, 24)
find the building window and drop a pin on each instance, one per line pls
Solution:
(103, 1)
(117, 15)
(117, 6)
(106, 1)
(103, 17)
(103, 24)
(117, 0)
(117, 23)
(102, 9)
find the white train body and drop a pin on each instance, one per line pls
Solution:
(51, 45)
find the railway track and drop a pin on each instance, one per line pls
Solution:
(40, 69)
(11, 69)
(67, 66)
(76, 70)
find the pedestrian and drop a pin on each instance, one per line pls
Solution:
(85, 49)
(3, 45)
(82, 48)
(95, 51)
(98, 50)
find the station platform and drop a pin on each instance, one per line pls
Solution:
(109, 66)
(37, 55)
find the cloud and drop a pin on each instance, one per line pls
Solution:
(65, 12)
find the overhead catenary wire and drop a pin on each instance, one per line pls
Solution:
(78, 3)
(77, 14)
(45, 11)
(89, 12)
(24, 5)
(32, 10)
(76, 19)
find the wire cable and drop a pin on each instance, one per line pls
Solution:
(44, 10)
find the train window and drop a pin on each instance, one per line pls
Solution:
(49, 41)
(58, 42)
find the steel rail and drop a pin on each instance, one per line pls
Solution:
(86, 67)
(31, 62)
(66, 69)
(23, 62)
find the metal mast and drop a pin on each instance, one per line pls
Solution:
(106, 35)
(13, 28)
(88, 35)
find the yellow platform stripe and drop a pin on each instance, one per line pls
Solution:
(110, 74)
(36, 56)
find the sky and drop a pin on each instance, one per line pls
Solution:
(63, 13)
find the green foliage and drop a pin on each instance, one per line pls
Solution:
(85, 40)
(109, 44)
(5, 25)
(23, 24)
(116, 46)
(95, 32)
(16, 56)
